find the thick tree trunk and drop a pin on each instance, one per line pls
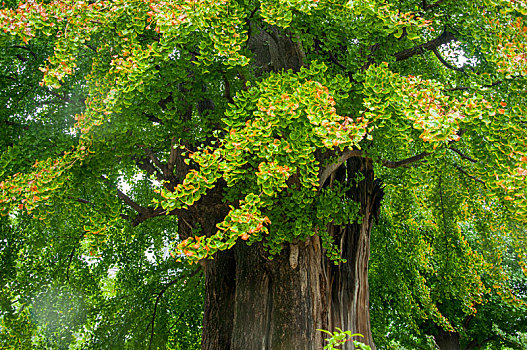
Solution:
(279, 304)
(349, 293)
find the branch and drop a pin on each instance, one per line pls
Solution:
(462, 155)
(147, 214)
(55, 94)
(128, 200)
(443, 39)
(326, 173)
(156, 161)
(27, 49)
(468, 175)
(81, 200)
(172, 157)
(91, 48)
(407, 161)
(431, 6)
(370, 59)
(330, 169)
(334, 60)
(69, 264)
(158, 298)
(146, 165)
(477, 344)
(445, 63)
(131, 203)
(227, 92)
(153, 118)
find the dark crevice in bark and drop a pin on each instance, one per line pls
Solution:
(349, 289)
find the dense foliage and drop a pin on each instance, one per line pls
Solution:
(125, 120)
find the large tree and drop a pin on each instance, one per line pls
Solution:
(266, 129)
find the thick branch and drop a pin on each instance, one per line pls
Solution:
(146, 165)
(147, 214)
(129, 201)
(443, 39)
(407, 161)
(326, 173)
(156, 161)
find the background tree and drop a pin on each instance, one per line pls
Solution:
(429, 293)
(269, 122)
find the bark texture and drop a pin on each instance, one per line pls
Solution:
(349, 293)
(280, 303)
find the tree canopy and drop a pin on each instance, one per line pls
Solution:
(130, 127)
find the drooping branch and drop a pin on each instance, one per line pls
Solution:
(445, 62)
(443, 39)
(158, 298)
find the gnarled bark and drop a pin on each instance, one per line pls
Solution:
(280, 303)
